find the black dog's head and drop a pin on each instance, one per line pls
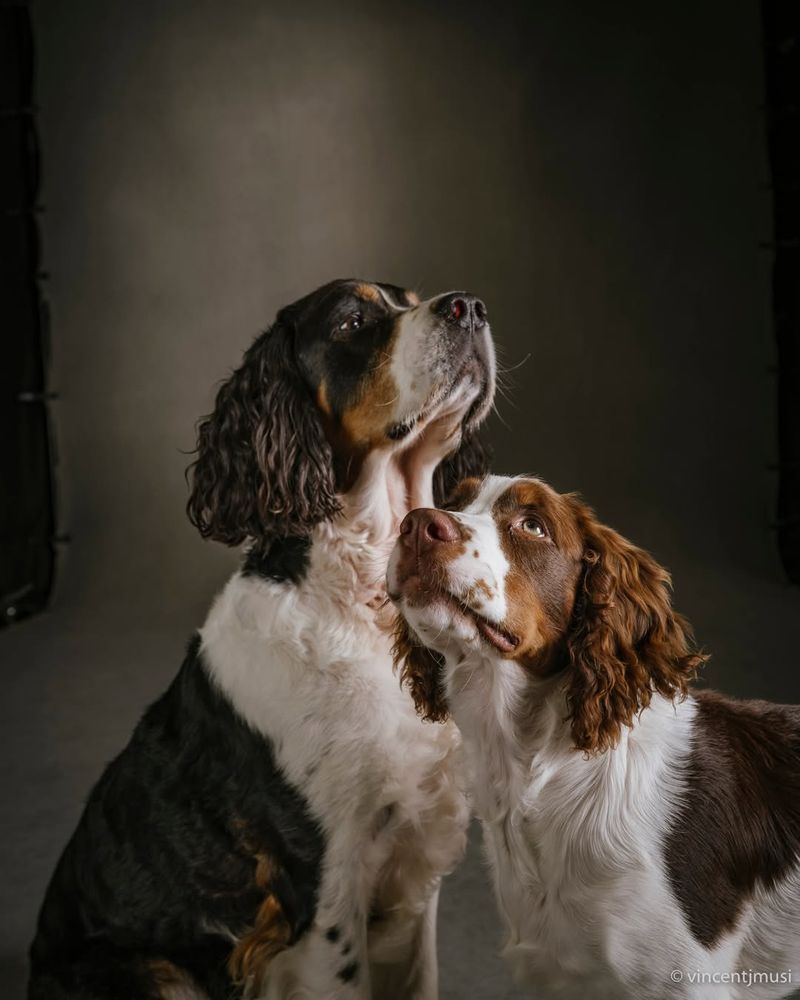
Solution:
(353, 368)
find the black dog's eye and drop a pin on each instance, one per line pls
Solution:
(353, 322)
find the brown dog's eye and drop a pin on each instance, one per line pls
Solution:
(351, 324)
(533, 527)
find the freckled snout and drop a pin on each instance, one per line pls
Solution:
(429, 541)
(425, 529)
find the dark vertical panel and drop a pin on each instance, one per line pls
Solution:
(26, 506)
(782, 45)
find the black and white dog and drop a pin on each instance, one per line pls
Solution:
(280, 821)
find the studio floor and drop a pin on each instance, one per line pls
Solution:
(77, 677)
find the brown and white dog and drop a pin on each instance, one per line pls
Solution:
(644, 837)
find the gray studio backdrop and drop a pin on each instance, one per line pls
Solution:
(594, 171)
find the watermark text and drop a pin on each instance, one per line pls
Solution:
(739, 977)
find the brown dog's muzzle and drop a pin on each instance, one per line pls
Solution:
(424, 529)
(428, 540)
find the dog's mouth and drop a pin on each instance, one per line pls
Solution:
(496, 636)
(494, 633)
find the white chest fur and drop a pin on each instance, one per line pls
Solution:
(307, 666)
(320, 686)
(574, 844)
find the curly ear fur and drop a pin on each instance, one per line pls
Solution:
(625, 643)
(264, 466)
(421, 671)
(470, 460)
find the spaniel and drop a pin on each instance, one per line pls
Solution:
(279, 823)
(644, 837)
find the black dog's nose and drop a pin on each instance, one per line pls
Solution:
(462, 309)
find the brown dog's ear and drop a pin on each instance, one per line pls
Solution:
(264, 466)
(471, 460)
(625, 642)
(422, 672)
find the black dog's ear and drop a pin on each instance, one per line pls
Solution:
(471, 460)
(264, 466)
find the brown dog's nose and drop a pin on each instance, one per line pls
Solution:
(424, 528)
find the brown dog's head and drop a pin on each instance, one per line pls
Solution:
(354, 368)
(514, 571)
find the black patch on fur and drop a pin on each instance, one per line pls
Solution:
(332, 933)
(346, 947)
(348, 973)
(739, 825)
(282, 559)
(165, 848)
(472, 459)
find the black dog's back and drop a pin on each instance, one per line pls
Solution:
(168, 859)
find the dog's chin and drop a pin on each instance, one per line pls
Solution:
(468, 390)
(460, 400)
(477, 383)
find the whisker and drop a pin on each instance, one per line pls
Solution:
(387, 358)
(500, 417)
(439, 634)
(507, 399)
(513, 368)
(468, 679)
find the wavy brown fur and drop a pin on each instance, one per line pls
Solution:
(625, 641)
(421, 671)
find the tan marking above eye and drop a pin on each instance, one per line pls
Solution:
(369, 293)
